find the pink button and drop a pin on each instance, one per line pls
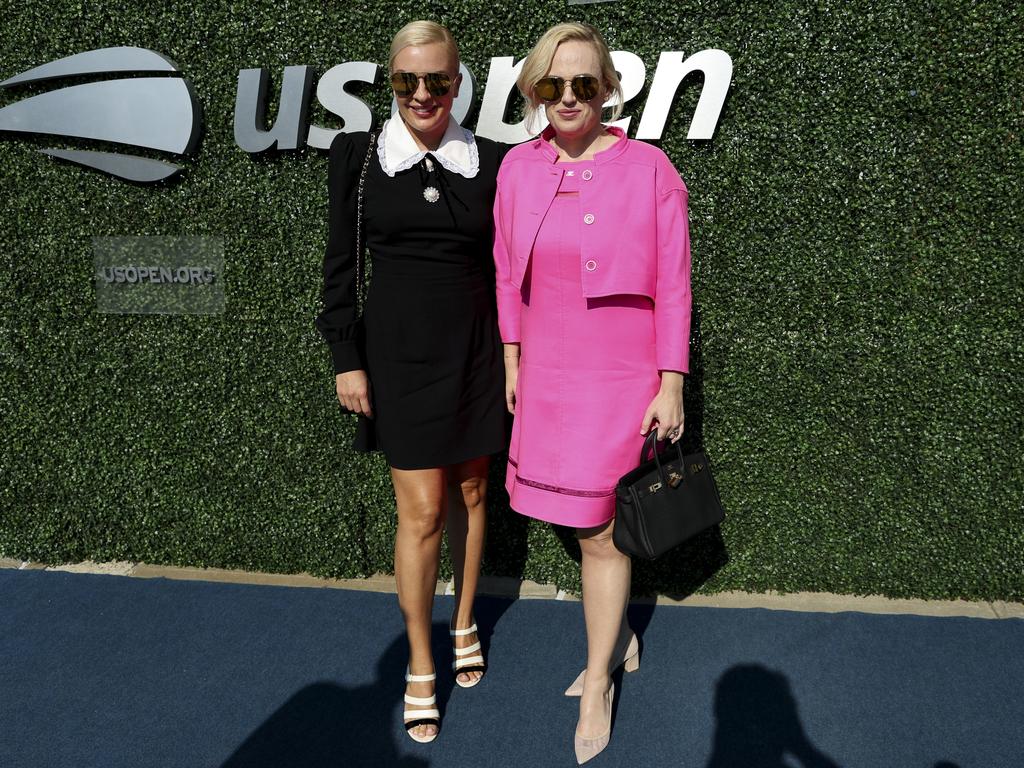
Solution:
(588, 175)
(591, 265)
(588, 219)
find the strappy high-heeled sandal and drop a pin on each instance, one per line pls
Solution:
(414, 717)
(468, 659)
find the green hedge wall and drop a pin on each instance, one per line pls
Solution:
(857, 241)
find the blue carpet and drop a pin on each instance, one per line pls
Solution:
(108, 672)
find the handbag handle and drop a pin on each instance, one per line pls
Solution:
(650, 444)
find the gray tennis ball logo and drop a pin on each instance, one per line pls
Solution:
(159, 112)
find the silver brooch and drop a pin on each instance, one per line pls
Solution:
(431, 195)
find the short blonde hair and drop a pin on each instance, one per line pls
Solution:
(538, 62)
(423, 33)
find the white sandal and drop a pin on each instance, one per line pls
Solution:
(464, 662)
(414, 717)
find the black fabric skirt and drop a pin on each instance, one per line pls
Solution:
(434, 360)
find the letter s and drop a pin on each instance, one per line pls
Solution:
(331, 93)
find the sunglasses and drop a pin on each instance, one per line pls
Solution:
(584, 87)
(405, 83)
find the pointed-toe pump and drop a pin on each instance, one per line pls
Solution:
(589, 748)
(630, 662)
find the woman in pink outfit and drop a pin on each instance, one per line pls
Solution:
(592, 256)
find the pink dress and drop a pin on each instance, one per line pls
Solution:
(587, 373)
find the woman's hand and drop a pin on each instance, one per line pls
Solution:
(511, 376)
(666, 409)
(354, 392)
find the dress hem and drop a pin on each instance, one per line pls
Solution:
(573, 510)
(460, 458)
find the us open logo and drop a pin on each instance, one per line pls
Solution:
(162, 113)
(159, 112)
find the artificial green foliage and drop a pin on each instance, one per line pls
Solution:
(857, 242)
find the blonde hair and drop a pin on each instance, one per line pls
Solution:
(538, 62)
(423, 33)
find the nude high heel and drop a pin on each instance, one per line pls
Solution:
(630, 662)
(587, 749)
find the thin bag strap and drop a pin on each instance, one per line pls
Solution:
(360, 244)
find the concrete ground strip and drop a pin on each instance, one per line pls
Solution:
(499, 586)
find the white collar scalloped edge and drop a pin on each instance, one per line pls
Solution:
(457, 152)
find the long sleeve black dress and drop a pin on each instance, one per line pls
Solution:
(428, 337)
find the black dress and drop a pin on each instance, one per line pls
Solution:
(428, 337)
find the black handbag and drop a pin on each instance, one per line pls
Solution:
(664, 501)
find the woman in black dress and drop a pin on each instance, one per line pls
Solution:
(423, 366)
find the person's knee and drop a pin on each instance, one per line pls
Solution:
(599, 544)
(471, 490)
(467, 483)
(422, 516)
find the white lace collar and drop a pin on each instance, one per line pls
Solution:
(398, 151)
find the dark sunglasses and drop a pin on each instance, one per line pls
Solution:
(405, 83)
(584, 87)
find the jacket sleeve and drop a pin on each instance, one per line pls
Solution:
(672, 302)
(338, 323)
(509, 297)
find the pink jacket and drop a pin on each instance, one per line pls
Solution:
(635, 238)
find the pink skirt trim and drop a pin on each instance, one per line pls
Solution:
(573, 507)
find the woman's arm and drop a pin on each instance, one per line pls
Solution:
(672, 303)
(666, 408)
(338, 323)
(509, 306)
(511, 355)
(672, 291)
(508, 295)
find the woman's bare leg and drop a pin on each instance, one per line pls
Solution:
(606, 577)
(420, 494)
(467, 524)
